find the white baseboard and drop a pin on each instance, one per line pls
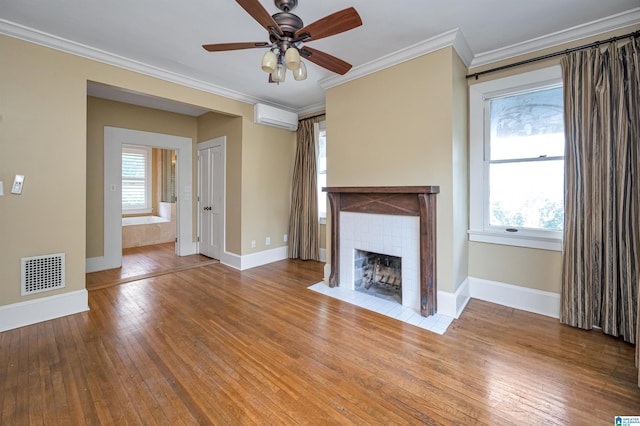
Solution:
(187, 249)
(255, 259)
(46, 308)
(452, 304)
(231, 259)
(517, 297)
(101, 263)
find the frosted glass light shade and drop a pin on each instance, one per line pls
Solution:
(292, 58)
(269, 61)
(279, 74)
(301, 72)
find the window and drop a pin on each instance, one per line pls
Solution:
(517, 160)
(136, 179)
(321, 144)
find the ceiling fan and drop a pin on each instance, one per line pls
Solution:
(287, 33)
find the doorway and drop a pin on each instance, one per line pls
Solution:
(148, 196)
(114, 138)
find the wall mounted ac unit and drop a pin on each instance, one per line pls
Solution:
(271, 116)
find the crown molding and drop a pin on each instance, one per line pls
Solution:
(452, 37)
(600, 26)
(312, 109)
(58, 43)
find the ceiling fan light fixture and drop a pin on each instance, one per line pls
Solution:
(269, 62)
(279, 74)
(286, 32)
(292, 58)
(301, 73)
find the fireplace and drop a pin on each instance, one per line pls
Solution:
(387, 236)
(394, 221)
(379, 275)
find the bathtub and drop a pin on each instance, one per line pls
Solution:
(149, 230)
(143, 220)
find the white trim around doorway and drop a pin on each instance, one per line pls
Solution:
(114, 138)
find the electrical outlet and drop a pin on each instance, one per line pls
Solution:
(17, 184)
(267, 241)
(253, 243)
(285, 238)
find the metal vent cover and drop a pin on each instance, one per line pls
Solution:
(42, 273)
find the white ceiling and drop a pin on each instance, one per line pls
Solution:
(164, 37)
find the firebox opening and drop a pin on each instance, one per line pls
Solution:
(379, 275)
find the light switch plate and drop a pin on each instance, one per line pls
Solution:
(1, 188)
(17, 184)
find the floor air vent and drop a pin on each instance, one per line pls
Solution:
(42, 273)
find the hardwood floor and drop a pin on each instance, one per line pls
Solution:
(213, 345)
(145, 262)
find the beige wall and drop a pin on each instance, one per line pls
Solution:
(266, 185)
(419, 138)
(101, 113)
(43, 135)
(525, 267)
(460, 170)
(257, 197)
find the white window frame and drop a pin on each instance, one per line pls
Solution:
(479, 172)
(147, 152)
(317, 128)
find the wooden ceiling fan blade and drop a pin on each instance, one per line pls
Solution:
(335, 23)
(260, 14)
(221, 47)
(325, 60)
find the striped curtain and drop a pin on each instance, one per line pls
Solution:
(303, 220)
(601, 264)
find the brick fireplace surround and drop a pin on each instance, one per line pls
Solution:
(391, 200)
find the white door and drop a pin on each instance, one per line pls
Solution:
(211, 197)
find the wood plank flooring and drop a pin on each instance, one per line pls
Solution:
(213, 345)
(145, 262)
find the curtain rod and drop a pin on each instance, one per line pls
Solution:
(551, 55)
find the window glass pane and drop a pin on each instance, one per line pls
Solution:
(133, 165)
(527, 125)
(322, 173)
(134, 178)
(527, 194)
(133, 193)
(322, 152)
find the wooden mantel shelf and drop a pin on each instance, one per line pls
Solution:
(393, 200)
(384, 189)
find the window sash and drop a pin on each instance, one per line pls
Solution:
(319, 132)
(136, 179)
(544, 202)
(479, 221)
